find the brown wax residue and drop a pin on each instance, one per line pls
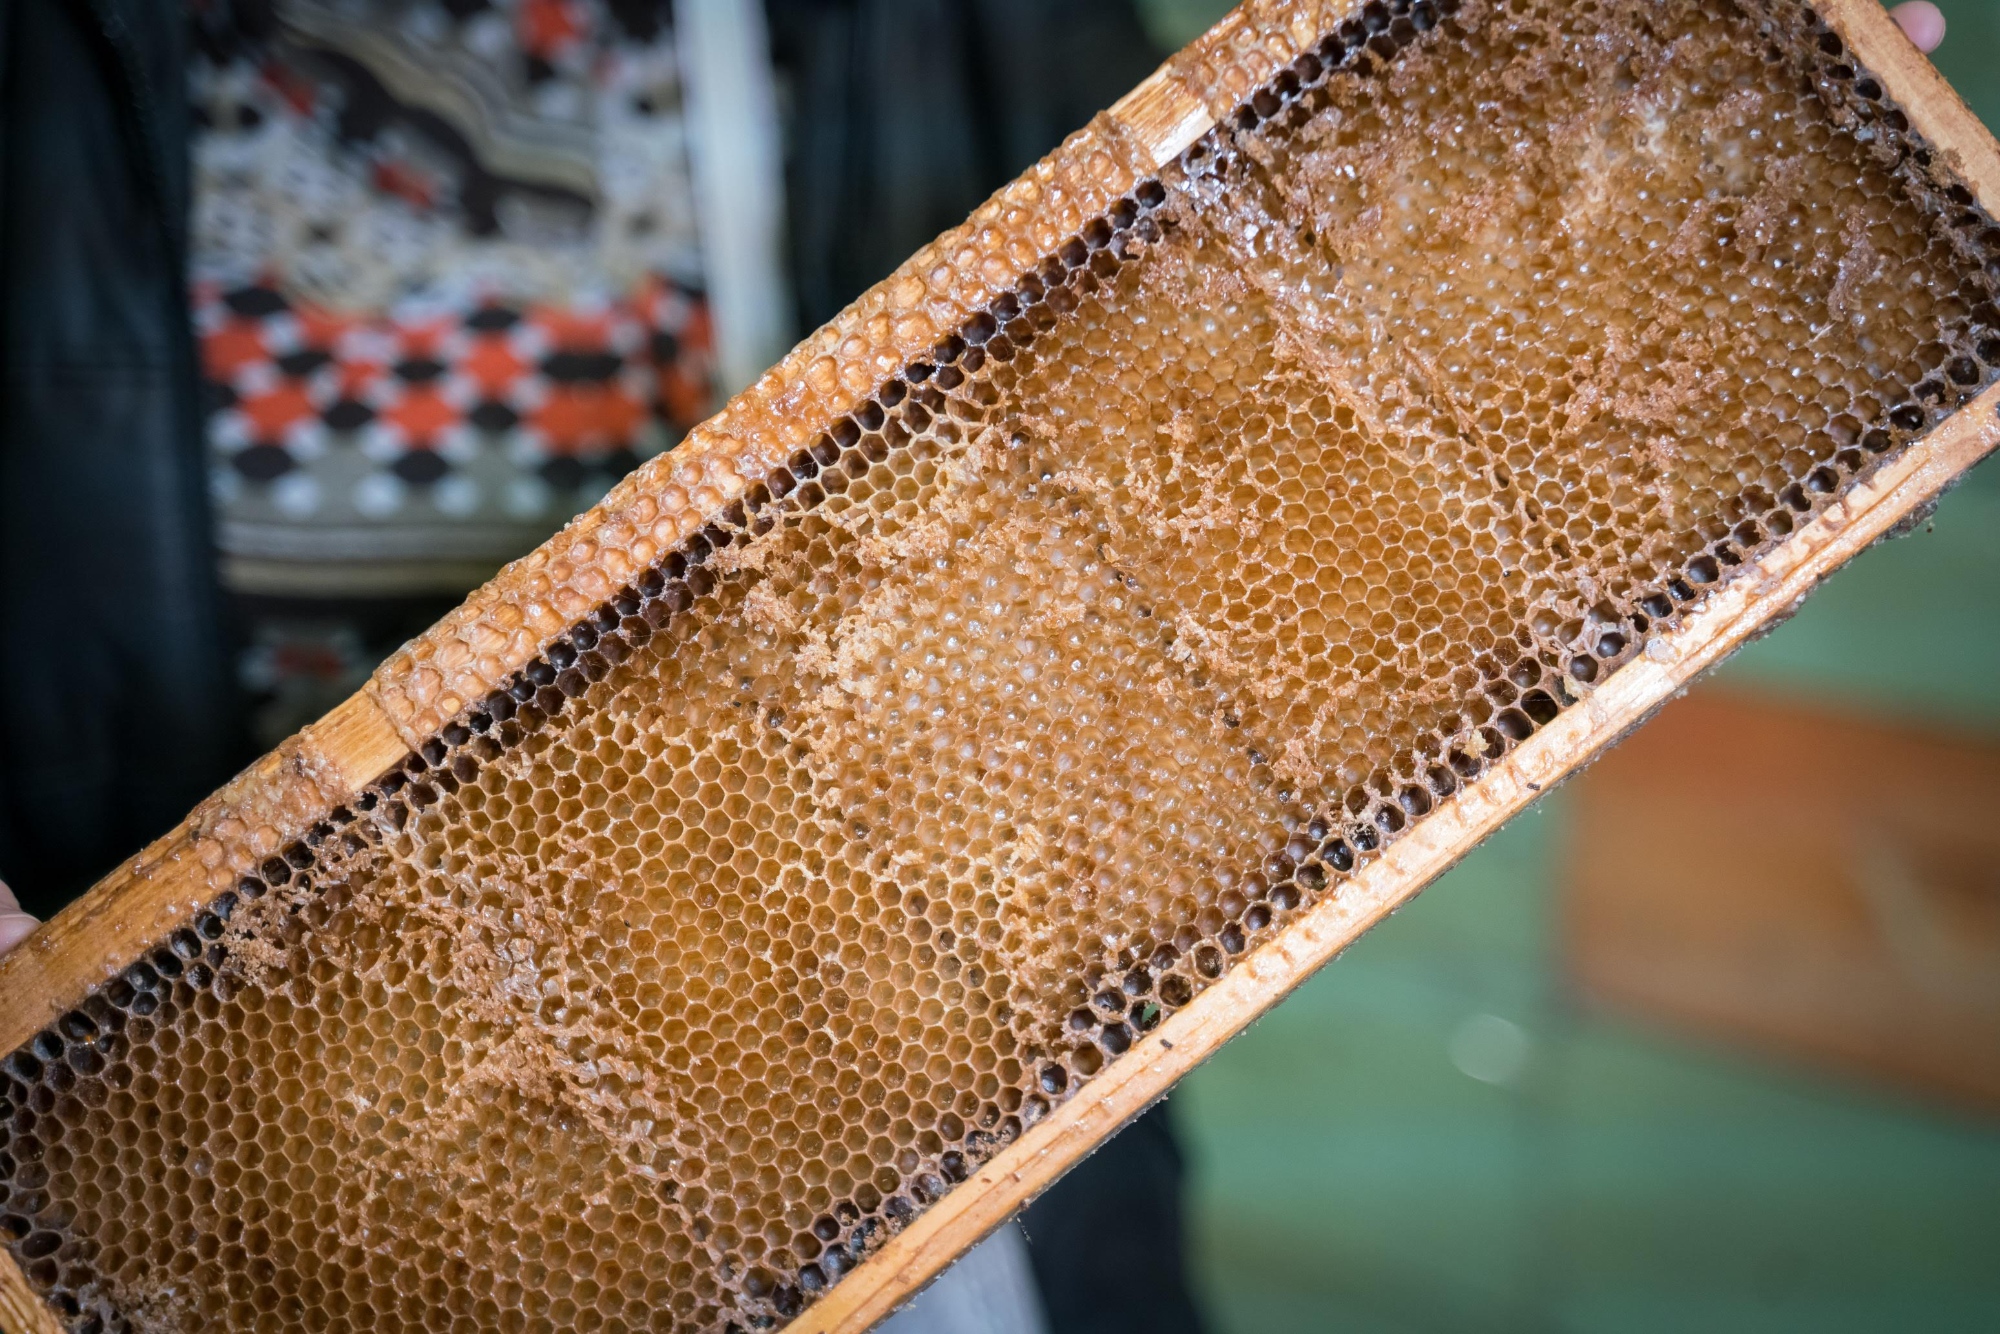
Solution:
(1856, 270)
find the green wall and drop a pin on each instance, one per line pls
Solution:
(1605, 1175)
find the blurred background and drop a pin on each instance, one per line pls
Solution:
(1705, 1041)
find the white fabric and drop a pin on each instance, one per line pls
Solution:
(732, 114)
(988, 1290)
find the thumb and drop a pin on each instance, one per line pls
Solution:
(15, 925)
(1922, 22)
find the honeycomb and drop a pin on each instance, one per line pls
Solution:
(810, 867)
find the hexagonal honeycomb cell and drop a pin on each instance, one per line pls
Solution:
(662, 985)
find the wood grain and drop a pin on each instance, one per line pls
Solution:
(158, 890)
(1162, 117)
(21, 1312)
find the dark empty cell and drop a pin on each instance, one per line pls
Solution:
(1540, 706)
(419, 370)
(563, 472)
(571, 367)
(263, 463)
(420, 467)
(303, 362)
(493, 415)
(256, 302)
(348, 414)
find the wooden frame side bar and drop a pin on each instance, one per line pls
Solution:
(132, 909)
(1935, 109)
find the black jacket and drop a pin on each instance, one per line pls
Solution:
(115, 707)
(905, 114)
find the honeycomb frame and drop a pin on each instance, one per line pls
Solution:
(549, 612)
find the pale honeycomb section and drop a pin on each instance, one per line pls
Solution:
(805, 825)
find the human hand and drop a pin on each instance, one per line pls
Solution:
(14, 924)
(1921, 23)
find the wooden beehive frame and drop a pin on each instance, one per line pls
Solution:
(507, 624)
